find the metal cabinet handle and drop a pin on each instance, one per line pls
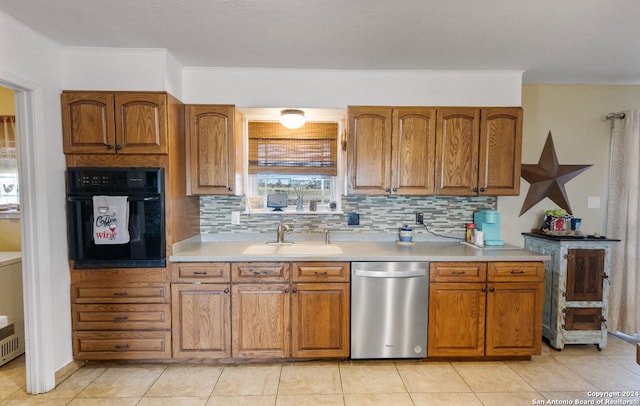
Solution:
(481, 189)
(484, 288)
(226, 290)
(475, 190)
(230, 189)
(200, 272)
(492, 290)
(516, 272)
(109, 146)
(121, 346)
(387, 190)
(294, 290)
(118, 147)
(321, 273)
(286, 291)
(125, 293)
(395, 189)
(121, 318)
(458, 272)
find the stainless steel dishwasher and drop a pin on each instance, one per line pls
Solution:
(389, 309)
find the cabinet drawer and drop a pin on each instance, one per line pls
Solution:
(515, 272)
(122, 317)
(320, 272)
(122, 345)
(132, 293)
(260, 272)
(458, 271)
(212, 272)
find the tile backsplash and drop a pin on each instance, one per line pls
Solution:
(443, 215)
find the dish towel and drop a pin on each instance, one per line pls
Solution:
(111, 220)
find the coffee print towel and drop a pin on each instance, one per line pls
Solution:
(111, 220)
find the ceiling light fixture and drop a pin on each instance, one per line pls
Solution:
(292, 119)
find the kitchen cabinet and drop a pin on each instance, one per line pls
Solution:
(121, 314)
(576, 289)
(201, 310)
(279, 315)
(320, 309)
(96, 122)
(478, 151)
(391, 150)
(214, 149)
(479, 309)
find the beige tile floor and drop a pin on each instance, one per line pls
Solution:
(570, 376)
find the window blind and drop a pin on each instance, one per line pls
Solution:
(309, 150)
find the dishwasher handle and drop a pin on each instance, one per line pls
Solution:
(390, 274)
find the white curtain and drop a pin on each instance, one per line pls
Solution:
(622, 223)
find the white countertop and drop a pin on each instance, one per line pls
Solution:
(203, 250)
(10, 257)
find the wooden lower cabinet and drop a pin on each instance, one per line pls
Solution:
(121, 314)
(319, 326)
(305, 317)
(495, 309)
(260, 320)
(201, 320)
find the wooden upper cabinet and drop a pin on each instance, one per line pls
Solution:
(391, 150)
(457, 151)
(500, 151)
(478, 151)
(141, 123)
(114, 122)
(369, 150)
(211, 148)
(413, 150)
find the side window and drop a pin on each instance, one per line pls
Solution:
(9, 196)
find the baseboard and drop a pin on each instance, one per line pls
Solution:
(67, 370)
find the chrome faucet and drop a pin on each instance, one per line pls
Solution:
(326, 236)
(282, 230)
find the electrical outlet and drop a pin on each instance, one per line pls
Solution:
(419, 218)
(353, 219)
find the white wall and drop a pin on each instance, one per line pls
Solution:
(34, 65)
(338, 89)
(121, 69)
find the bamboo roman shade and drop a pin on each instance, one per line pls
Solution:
(309, 150)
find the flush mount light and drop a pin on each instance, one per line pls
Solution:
(292, 118)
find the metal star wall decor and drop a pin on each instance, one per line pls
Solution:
(547, 178)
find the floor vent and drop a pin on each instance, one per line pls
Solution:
(11, 347)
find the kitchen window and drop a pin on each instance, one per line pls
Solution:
(303, 163)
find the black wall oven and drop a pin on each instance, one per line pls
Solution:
(144, 192)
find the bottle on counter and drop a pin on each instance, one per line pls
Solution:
(470, 229)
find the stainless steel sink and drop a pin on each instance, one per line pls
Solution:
(307, 248)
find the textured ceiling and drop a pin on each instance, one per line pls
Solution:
(553, 41)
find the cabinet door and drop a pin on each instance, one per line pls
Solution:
(500, 151)
(87, 123)
(141, 123)
(456, 319)
(260, 321)
(320, 320)
(457, 151)
(585, 273)
(413, 151)
(201, 320)
(369, 150)
(514, 319)
(211, 149)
